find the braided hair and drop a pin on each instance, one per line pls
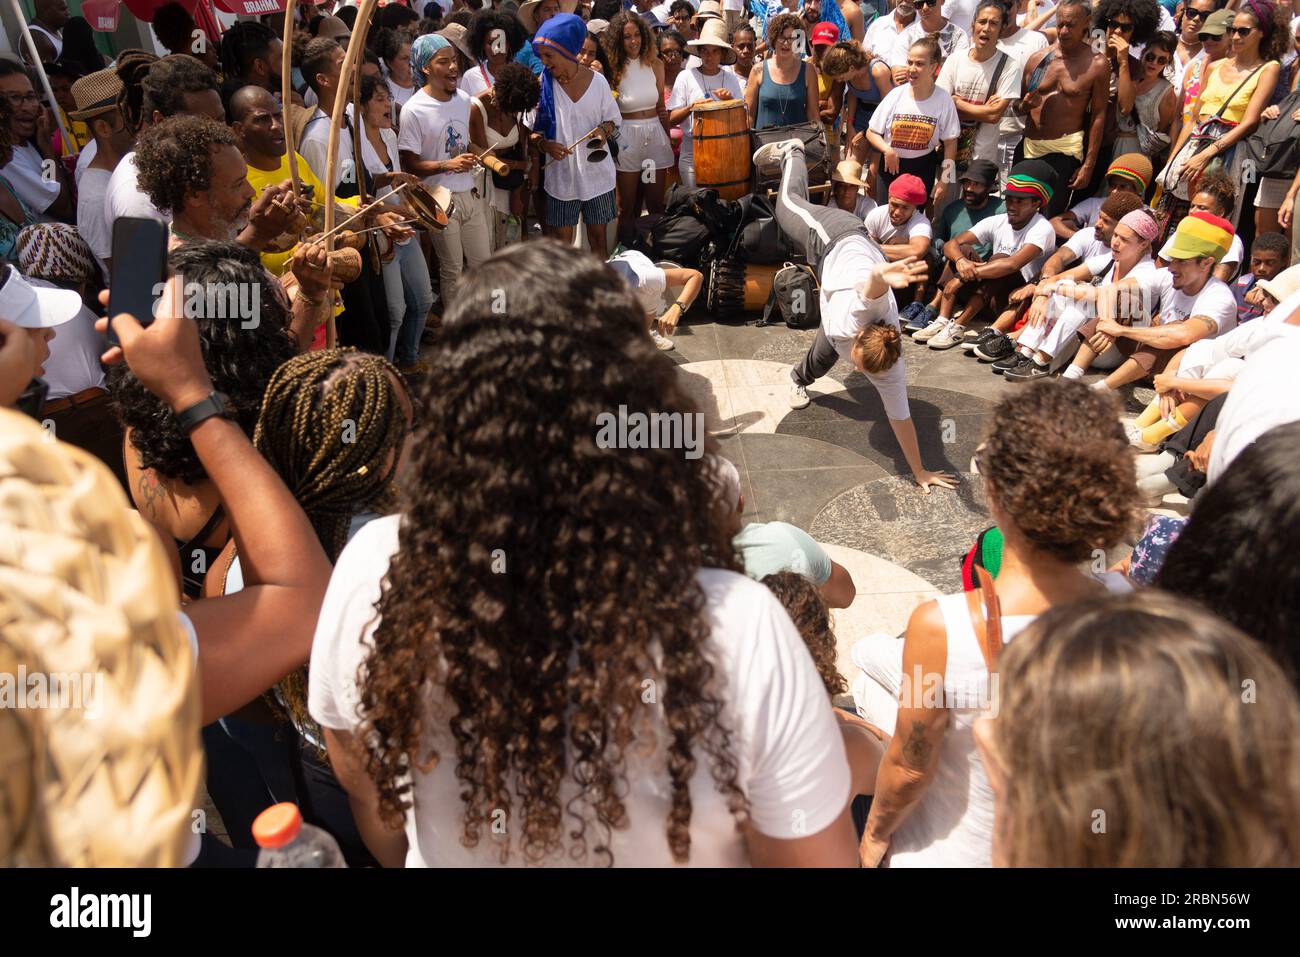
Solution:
(132, 66)
(332, 426)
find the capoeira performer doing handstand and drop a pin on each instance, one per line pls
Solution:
(859, 318)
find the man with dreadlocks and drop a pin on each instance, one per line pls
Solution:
(333, 425)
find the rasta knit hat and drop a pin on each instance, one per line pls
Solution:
(1132, 166)
(1032, 178)
(1201, 234)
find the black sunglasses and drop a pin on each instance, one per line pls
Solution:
(1206, 37)
(1113, 24)
(927, 3)
(1240, 31)
(1195, 14)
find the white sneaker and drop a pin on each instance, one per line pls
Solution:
(949, 337)
(662, 343)
(771, 154)
(932, 330)
(1135, 439)
(799, 398)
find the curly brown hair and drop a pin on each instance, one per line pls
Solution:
(1059, 467)
(844, 58)
(807, 609)
(174, 158)
(541, 578)
(612, 40)
(779, 24)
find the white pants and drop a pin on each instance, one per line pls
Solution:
(466, 238)
(1065, 317)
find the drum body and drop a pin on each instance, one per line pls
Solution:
(736, 286)
(722, 151)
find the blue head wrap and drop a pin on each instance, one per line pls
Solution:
(564, 33)
(423, 50)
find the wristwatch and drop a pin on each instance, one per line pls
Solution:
(217, 403)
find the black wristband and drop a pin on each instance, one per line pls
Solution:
(216, 404)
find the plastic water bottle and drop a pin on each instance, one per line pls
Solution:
(285, 841)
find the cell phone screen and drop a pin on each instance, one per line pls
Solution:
(139, 267)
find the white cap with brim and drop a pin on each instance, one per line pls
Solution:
(34, 307)
(1284, 284)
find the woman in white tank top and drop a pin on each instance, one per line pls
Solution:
(637, 77)
(1062, 489)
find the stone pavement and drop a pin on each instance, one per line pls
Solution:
(834, 468)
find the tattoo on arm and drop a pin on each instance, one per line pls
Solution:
(917, 749)
(151, 493)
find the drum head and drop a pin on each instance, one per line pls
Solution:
(432, 206)
(717, 105)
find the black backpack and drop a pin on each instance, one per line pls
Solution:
(795, 297)
(759, 239)
(1274, 148)
(677, 237)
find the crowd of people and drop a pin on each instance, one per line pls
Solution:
(353, 504)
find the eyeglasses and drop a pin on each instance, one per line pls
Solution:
(1240, 31)
(1209, 37)
(670, 54)
(23, 99)
(1113, 24)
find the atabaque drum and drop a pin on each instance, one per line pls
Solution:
(736, 286)
(722, 151)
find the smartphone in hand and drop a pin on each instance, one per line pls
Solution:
(139, 269)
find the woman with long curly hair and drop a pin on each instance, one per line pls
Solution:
(1134, 705)
(551, 657)
(1061, 489)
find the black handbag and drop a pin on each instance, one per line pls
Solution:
(816, 155)
(1275, 147)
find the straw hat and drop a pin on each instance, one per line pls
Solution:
(85, 589)
(96, 93)
(528, 11)
(850, 172)
(714, 34)
(708, 10)
(458, 37)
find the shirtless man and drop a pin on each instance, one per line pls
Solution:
(1063, 84)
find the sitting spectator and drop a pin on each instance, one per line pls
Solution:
(1093, 240)
(1223, 560)
(1270, 253)
(766, 548)
(1130, 172)
(1058, 311)
(900, 227)
(1061, 490)
(1207, 368)
(169, 482)
(1193, 304)
(1215, 194)
(1093, 681)
(849, 191)
(644, 592)
(863, 744)
(1020, 240)
(977, 203)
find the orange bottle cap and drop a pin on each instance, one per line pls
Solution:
(277, 825)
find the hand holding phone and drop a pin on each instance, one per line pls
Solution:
(139, 269)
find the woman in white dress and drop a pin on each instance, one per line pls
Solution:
(496, 122)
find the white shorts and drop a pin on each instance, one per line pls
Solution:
(641, 140)
(1271, 192)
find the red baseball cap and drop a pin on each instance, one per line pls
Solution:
(825, 33)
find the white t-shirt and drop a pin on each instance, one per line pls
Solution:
(646, 279)
(437, 130)
(73, 365)
(1022, 45)
(914, 129)
(692, 85)
(961, 12)
(400, 94)
(1233, 257)
(90, 215)
(963, 77)
(476, 79)
(997, 231)
(882, 35)
(315, 148)
(882, 229)
(1086, 211)
(865, 205)
(952, 40)
(788, 747)
(573, 177)
(1265, 395)
(1085, 244)
(25, 174)
(84, 159)
(844, 314)
(1215, 301)
(1239, 344)
(124, 198)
